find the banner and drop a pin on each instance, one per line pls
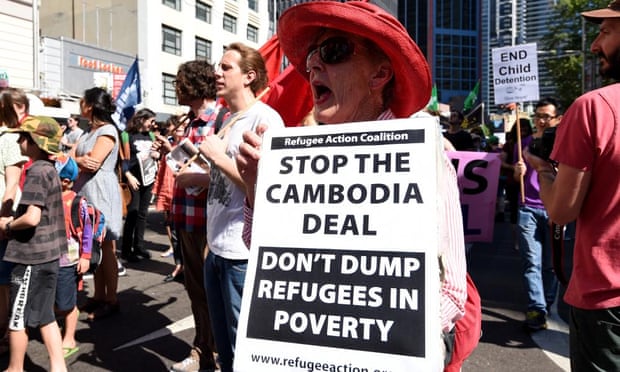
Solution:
(343, 270)
(130, 95)
(478, 178)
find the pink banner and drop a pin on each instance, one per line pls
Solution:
(478, 176)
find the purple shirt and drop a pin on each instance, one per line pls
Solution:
(530, 180)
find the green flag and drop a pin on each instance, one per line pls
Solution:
(433, 104)
(471, 98)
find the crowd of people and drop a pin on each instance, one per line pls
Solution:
(362, 66)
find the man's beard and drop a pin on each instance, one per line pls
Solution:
(613, 65)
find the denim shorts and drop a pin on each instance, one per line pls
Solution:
(66, 289)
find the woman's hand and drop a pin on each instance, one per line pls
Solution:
(88, 163)
(132, 181)
(248, 157)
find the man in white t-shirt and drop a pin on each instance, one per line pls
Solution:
(226, 262)
(72, 133)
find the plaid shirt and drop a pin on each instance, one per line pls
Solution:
(189, 212)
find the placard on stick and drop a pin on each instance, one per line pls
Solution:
(515, 73)
(343, 267)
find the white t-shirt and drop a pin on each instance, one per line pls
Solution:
(225, 200)
(10, 154)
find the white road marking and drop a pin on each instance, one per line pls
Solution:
(178, 326)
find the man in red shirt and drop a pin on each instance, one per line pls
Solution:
(585, 188)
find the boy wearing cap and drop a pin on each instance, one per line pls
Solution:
(37, 239)
(76, 261)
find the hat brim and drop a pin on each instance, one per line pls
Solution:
(41, 141)
(299, 26)
(597, 16)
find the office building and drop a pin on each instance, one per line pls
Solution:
(448, 33)
(163, 34)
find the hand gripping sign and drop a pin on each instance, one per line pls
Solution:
(343, 272)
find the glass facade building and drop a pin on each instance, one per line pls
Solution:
(448, 32)
(514, 22)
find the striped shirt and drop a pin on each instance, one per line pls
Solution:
(451, 250)
(46, 241)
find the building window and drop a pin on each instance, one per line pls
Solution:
(253, 33)
(203, 11)
(203, 49)
(174, 4)
(253, 5)
(170, 95)
(171, 40)
(230, 23)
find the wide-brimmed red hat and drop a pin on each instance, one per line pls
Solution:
(300, 25)
(598, 15)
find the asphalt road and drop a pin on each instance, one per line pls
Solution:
(153, 330)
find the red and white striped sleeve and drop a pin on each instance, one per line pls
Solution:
(248, 218)
(452, 250)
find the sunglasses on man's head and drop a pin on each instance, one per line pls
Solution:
(334, 50)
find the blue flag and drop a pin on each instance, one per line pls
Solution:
(129, 96)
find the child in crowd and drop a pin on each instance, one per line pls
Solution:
(37, 239)
(76, 261)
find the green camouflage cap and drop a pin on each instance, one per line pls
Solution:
(45, 132)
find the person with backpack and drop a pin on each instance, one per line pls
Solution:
(76, 261)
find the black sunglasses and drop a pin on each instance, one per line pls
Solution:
(332, 51)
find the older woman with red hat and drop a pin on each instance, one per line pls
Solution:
(363, 66)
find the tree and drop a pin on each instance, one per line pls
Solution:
(563, 42)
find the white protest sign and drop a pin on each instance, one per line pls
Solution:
(515, 73)
(343, 272)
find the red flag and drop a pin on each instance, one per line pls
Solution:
(290, 93)
(272, 54)
(291, 96)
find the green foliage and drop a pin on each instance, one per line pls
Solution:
(563, 43)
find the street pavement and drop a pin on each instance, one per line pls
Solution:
(154, 327)
(505, 346)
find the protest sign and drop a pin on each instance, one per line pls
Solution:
(478, 176)
(515, 73)
(343, 271)
(185, 157)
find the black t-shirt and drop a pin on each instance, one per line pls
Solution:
(461, 140)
